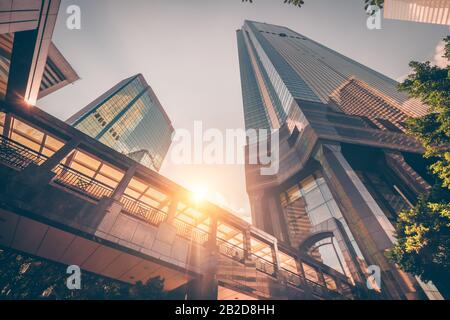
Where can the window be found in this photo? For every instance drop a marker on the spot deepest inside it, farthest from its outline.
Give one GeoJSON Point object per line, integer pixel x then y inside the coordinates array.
{"type": "Point", "coordinates": [328, 252]}
{"type": "Point", "coordinates": [310, 273]}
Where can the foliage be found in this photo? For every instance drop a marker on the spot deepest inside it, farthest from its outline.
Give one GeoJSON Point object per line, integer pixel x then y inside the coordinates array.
{"type": "Point", "coordinates": [379, 3]}
{"type": "Point", "coordinates": [431, 85]}
{"type": "Point", "coordinates": [297, 3]}
{"type": "Point", "coordinates": [423, 232]}
{"type": "Point", "coordinates": [25, 277]}
{"type": "Point", "coordinates": [423, 238]}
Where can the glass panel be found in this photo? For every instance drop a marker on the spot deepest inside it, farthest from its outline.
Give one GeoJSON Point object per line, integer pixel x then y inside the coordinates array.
{"type": "Point", "coordinates": [27, 135]}
{"type": "Point", "coordinates": [310, 273]}
{"type": "Point", "coordinates": [329, 282]}
{"type": "Point", "coordinates": [155, 194]}
{"type": "Point", "coordinates": [150, 201]}
{"type": "Point", "coordinates": [111, 173]}
{"type": "Point", "coordinates": [325, 192]}
{"type": "Point", "coordinates": [287, 262]}
{"type": "Point", "coordinates": [83, 169]}
{"type": "Point", "coordinates": [107, 181]}
{"type": "Point", "coordinates": [319, 214]}
{"type": "Point", "coordinates": [53, 144]}
{"type": "Point", "coordinates": [137, 185]}
{"type": "Point", "coordinates": [334, 209]}
{"type": "Point", "coordinates": [130, 192]}
{"type": "Point", "coordinates": [261, 249]}
{"type": "Point", "coordinates": [293, 194]}
{"type": "Point", "coordinates": [314, 198]}
{"type": "Point", "coordinates": [308, 184]}
{"type": "Point", "coordinates": [26, 142]}
{"type": "Point", "coordinates": [86, 161]}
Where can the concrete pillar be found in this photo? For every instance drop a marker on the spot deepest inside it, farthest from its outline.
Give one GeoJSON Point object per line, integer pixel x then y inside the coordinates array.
{"type": "Point", "coordinates": [110, 208]}
{"type": "Point", "coordinates": [206, 286]}
{"type": "Point", "coordinates": [275, 259]}
{"type": "Point", "coordinates": [247, 245]}
{"type": "Point", "coordinates": [203, 288]}
{"type": "Point", "coordinates": [372, 230]}
{"type": "Point", "coordinates": [212, 237]}
{"type": "Point", "coordinates": [172, 210]}
{"type": "Point", "coordinates": [124, 182]}
{"type": "Point", "coordinates": [7, 125]}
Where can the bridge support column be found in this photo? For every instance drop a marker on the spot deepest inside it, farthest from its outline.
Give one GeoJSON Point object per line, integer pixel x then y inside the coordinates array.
{"type": "Point", "coordinates": [172, 210]}
{"type": "Point", "coordinates": [247, 245]}
{"type": "Point", "coordinates": [34, 174]}
{"type": "Point", "coordinates": [108, 209]}
{"type": "Point", "coordinates": [275, 259]}
{"type": "Point", "coordinates": [204, 288]}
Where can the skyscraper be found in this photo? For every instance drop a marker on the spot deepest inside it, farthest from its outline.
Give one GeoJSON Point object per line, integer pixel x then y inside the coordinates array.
{"type": "Point", "coordinates": [426, 11]}
{"type": "Point", "coordinates": [346, 167]}
{"type": "Point", "coordinates": [130, 119]}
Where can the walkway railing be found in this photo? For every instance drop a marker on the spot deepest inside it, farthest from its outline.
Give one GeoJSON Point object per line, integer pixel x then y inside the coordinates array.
{"type": "Point", "coordinates": [291, 277]}
{"type": "Point", "coordinates": [190, 232]}
{"type": "Point", "coordinates": [143, 211]}
{"type": "Point", "coordinates": [79, 182]}
{"type": "Point", "coordinates": [230, 250]}
{"type": "Point", "coordinates": [264, 265]}
{"type": "Point", "coordinates": [18, 156]}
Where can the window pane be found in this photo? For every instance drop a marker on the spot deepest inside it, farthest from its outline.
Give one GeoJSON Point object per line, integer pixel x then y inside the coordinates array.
{"type": "Point", "coordinates": [310, 273]}
{"type": "Point", "coordinates": [308, 184]}
{"type": "Point", "coordinates": [319, 214]}
{"type": "Point", "coordinates": [314, 198]}
{"type": "Point", "coordinates": [329, 282]}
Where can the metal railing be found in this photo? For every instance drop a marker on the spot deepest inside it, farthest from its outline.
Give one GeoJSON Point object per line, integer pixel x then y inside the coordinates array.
{"type": "Point", "coordinates": [317, 288]}
{"type": "Point", "coordinates": [230, 250]}
{"type": "Point", "coordinates": [143, 211]}
{"type": "Point", "coordinates": [291, 277]}
{"type": "Point", "coordinates": [190, 232]}
{"type": "Point", "coordinates": [18, 156]}
{"type": "Point", "coordinates": [79, 182]}
{"type": "Point", "coordinates": [264, 265]}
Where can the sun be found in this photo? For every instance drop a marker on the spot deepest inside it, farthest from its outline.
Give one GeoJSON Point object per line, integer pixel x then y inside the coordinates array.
{"type": "Point", "coordinates": [199, 194]}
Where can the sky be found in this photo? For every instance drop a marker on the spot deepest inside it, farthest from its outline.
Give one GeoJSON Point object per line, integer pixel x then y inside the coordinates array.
{"type": "Point", "coordinates": [187, 51]}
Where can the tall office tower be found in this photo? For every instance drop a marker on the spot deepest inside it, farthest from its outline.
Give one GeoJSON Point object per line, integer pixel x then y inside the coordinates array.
{"type": "Point", "coordinates": [426, 11]}
{"type": "Point", "coordinates": [30, 64]}
{"type": "Point", "coordinates": [130, 119]}
{"type": "Point", "coordinates": [345, 167]}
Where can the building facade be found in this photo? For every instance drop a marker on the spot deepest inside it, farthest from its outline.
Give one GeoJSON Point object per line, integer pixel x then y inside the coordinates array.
{"type": "Point", "coordinates": [130, 119]}
{"type": "Point", "coordinates": [346, 167]}
{"type": "Point", "coordinates": [31, 66]}
{"type": "Point", "coordinates": [425, 11]}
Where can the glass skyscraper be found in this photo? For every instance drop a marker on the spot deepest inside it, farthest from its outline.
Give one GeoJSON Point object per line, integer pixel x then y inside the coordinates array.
{"type": "Point", "coordinates": [130, 119]}
{"type": "Point", "coordinates": [346, 168]}
{"type": "Point", "coordinates": [280, 66]}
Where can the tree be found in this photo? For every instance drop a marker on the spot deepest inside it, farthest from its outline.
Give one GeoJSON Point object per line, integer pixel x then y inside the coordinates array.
{"type": "Point", "coordinates": [423, 232]}
{"type": "Point", "coordinates": [297, 3]}
{"type": "Point", "coordinates": [25, 277]}
{"type": "Point", "coordinates": [431, 85]}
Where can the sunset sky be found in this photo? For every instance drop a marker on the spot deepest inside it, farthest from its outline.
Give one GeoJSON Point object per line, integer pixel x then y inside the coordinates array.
{"type": "Point", "coordinates": [187, 52]}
